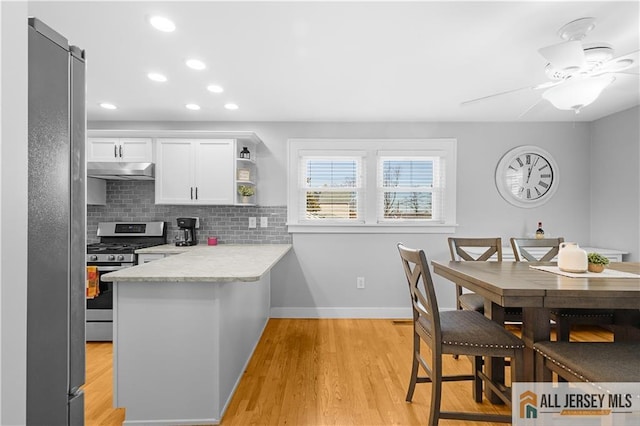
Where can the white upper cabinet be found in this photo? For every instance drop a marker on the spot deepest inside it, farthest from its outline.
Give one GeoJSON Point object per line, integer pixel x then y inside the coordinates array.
{"type": "Point", "coordinates": [214, 171]}
{"type": "Point", "coordinates": [195, 171]}
{"type": "Point", "coordinates": [129, 150]}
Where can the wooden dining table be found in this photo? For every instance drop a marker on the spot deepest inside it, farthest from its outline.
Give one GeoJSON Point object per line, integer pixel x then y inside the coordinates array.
{"type": "Point", "coordinates": [516, 284]}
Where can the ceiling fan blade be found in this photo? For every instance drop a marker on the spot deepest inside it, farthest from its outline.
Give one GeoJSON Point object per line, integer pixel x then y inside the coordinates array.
{"type": "Point", "coordinates": [548, 84]}
{"type": "Point", "coordinates": [496, 94]}
{"type": "Point", "coordinates": [621, 63]}
{"type": "Point", "coordinates": [564, 55]}
{"type": "Point", "coordinates": [530, 108]}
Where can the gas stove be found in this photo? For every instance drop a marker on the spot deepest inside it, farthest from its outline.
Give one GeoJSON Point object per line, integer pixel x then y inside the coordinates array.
{"type": "Point", "coordinates": [120, 240]}
{"type": "Point", "coordinates": [123, 252]}
{"type": "Point", "coordinates": [115, 251]}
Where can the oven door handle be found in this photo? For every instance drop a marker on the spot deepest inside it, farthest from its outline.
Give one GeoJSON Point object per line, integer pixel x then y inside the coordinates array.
{"type": "Point", "coordinates": [111, 268]}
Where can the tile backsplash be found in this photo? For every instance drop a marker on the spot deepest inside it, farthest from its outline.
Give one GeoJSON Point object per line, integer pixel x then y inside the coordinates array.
{"type": "Point", "coordinates": [134, 201]}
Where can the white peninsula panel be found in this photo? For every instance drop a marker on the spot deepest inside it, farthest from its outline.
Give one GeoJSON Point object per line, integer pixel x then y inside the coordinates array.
{"type": "Point", "coordinates": [185, 327]}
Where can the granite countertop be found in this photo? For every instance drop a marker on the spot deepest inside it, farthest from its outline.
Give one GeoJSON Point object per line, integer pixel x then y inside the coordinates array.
{"type": "Point", "coordinates": [202, 263]}
{"type": "Point", "coordinates": [169, 249]}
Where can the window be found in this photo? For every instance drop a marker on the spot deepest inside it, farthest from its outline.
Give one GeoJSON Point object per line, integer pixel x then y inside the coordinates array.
{"type": "Point", "coordinates": [371, 185]}
{"type": "Point", "coordinates": [406, 189]}
{"type": "Point", "coordinates": [331, 187]}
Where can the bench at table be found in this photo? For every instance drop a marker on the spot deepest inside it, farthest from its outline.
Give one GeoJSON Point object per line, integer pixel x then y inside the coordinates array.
{"type": "Point", "coordinates": [588, 361]}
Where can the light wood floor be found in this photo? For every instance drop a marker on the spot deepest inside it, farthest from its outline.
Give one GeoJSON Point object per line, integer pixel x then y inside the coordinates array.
{"type": "Point", "coordinates": [321, 372]}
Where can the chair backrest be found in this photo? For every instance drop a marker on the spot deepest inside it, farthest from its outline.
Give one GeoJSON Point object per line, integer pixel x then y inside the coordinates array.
{"type": "Point", "coordinates": [423, 297]}
{"type": "Point", "coordinates": [521, 247]}
{"type": "Point", "coordinates": [457, 248]}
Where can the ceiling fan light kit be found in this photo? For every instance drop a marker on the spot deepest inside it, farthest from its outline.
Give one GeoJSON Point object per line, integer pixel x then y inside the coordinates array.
{"type": "Point", "coordinates": [578, 92]}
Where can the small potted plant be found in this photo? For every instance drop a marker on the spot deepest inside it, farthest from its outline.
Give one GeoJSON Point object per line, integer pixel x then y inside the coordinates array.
{"type": "Point", "coordinates": [246, 191]}
{"type": "Point", "coordinates": [597, 262]}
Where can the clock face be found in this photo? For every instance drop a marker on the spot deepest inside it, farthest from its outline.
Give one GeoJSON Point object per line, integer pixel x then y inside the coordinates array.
{"type": "Point", "coordinates": [527, 176]}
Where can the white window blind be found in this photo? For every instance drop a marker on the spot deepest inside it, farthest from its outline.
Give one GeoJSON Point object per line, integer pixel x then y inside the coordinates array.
{"type": "Point", "coordinates": [409, 188]}
{"type": "Point", "coordinates": [330, 188]}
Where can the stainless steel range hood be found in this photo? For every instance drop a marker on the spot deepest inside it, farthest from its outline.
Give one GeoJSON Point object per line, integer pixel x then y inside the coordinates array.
{"type": "Point", "coordinates": [121, 171]}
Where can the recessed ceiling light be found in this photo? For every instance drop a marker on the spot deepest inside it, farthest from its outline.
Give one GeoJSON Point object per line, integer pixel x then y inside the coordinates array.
{"type": "Point", "coordinates": [196, 64]}
{"type": "Point", "coordinates": [215, 89]}
{"type": "Point", "coordinates": [193, 107]}
{"type": "Point", "coordinates": [156, 77]}
{"type": "Point", "coordinates": [161, 23]}
{"type": "Point", "coordinates": [231, 106]}
{"type": "Point", "coordinates": [107, 105]}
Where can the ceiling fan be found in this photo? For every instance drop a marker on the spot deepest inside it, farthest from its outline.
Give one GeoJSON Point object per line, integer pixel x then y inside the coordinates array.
{"type": "Point", "coordinates": [578, 72]}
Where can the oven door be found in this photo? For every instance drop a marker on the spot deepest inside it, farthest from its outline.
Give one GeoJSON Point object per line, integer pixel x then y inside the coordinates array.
{"type": "Point", "coordinates": [99, 325]}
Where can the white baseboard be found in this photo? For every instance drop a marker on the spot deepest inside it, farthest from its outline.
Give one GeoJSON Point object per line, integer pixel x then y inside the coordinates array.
{"type": "Point", "coordinates": [318, 312]}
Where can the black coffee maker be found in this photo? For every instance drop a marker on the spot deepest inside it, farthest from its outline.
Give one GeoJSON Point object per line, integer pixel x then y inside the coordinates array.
{"type": "Point", "coordinates": [186, 235]}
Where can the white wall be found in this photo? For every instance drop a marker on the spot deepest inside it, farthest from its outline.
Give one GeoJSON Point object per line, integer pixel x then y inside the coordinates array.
{"type": "Point", "coordinates": [615, 182]}
{"type": "Point", "coordinates": [13, 213]}
{"type": "Point", "coordinates": [320, 275]}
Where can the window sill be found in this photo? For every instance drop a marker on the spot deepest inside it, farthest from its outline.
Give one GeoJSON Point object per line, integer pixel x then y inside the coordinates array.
{"type": "Point", "coordinates": [409, 228]}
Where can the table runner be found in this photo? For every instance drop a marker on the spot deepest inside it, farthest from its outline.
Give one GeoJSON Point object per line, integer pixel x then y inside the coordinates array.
{"type": "Point", "coordinates": [607, 273]}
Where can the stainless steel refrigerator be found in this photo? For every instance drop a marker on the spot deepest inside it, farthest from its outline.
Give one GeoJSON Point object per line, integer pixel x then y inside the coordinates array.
{"type": "Point", "coordinates": [56, 229]}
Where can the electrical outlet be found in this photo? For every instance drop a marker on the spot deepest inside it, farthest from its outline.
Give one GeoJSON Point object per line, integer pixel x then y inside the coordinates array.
{"type": "Point", "coordinates": [252, 222]}
{"type": "Point", "coordinates": [360, 282]}
{"type": "Point", "coordinates": [264, 222]}
{"type": "Point", "coordinates": [197, 222]}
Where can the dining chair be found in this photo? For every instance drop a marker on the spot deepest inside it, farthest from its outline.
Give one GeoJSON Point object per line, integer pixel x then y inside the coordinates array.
{"type": "Point", "coordinates": [521, 247]}
{"type": "Point", "coordinates": [458, 248]}
{"type": "Point", "coordinates": [460, 332]}
{"type": "Point", "coordinates": [564, 318]}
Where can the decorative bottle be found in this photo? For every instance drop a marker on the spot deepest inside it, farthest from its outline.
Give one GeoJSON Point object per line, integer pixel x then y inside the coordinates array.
{"type": "Point", "coordinates": [245, 153]}
{"type": "Point", "coordinates": [539, 231]}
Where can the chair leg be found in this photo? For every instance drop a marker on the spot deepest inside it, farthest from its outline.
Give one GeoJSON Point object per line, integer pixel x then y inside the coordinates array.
{"type": "Point", "coordinates": [458, 307]}
{"type": "Point", "coordinates": [477, 381]}
{"type": "Point", "coordinates": [563, 330]}
{"type": "Point", "coordinates": [414, 367]}
{"type": "Point", "coordinates": [436, 388]}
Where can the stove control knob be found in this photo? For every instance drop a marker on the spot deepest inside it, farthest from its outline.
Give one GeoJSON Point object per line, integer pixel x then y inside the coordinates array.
{"type": "Point", "coordinates": [120, 257]}
{"type": "Point", "coordinates": [93, 257]}
{"type": "Point", "coordinates": [111, 257]}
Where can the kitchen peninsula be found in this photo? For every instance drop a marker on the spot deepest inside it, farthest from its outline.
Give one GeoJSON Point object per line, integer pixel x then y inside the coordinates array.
{"type": "Point", "coordinates": [185, 326]}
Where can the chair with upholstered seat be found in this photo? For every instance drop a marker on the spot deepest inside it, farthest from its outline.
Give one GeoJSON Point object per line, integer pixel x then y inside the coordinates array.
{"type": "Point", "coordinates": [458, 248]}
{"type": "Point", "coordinates": [491, 248]}
{"type": "Point", "coordinates": [522, 247]}
{"type": "Point", "coordinates": [564, 318]}
{"type": "Point", "coordinates": [461, 332]}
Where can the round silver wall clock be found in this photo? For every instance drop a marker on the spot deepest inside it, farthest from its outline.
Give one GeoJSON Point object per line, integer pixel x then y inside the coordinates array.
{"type": "Point", "coordinates": [527, 176]}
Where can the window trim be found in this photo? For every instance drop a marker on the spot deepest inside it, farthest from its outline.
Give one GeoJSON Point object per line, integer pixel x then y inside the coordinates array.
{"type": "Point", "coordinates": [442, 147]}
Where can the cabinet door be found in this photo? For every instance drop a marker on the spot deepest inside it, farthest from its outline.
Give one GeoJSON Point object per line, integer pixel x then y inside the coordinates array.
{"type": "Point", "coordinates": [102, 149]}
{"type": "Point", "coordinates": [174, 172]}
{"type": "Point", "coordinates": [135, 150]}
{"type": "Point", "coordinates": [214, 169]}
